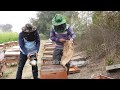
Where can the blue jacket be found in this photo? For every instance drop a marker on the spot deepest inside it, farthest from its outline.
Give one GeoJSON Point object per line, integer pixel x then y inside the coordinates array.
{"type": "Point", "coordinates": [22, 43]}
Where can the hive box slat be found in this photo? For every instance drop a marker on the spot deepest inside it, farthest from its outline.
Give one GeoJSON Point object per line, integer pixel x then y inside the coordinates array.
{"type": "Point", "coordinates": [12, 53]}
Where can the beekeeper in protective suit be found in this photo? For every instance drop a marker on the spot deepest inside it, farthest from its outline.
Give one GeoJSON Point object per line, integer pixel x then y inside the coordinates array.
{"type": "Point", "coordinates": [59, 33]}
{"type": "Point", "coordinates": [29, 42]}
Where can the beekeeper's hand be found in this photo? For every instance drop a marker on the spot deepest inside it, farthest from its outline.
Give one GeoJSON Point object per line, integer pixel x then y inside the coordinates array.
{"type": "Point", "coordinates": [62, 40]}
{"type": "Point", "coordinates": [28, 56]}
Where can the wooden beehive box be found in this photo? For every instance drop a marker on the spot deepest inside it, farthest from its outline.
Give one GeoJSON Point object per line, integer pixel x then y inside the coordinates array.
{"type": "Point", "coordinates": [13, 49]}
{"type": "Point", "coordinates": [48, 53]}
{"type": "Point", "coordinates": [11, 57]}
{"type": "Point", "coordinates": [47, 59]}
{"type": "Point", "coordinates": [53, 72]}
{"type": "Point", "coordinates": [50, 48]}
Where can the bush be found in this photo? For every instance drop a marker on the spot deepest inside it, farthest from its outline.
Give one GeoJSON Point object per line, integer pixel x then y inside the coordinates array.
{"type": "Point", "coordinates": [102, 36]}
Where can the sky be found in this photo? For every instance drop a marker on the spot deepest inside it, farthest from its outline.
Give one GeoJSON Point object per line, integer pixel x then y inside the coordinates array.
{"type": "Point", "coordinates": [16, 18]}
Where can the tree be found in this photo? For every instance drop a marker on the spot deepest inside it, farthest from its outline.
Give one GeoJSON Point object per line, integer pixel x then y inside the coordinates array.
{"type": "Point", "coordinates": [6, 28]}
{"type": "Point", "coordinates": [44, 19]}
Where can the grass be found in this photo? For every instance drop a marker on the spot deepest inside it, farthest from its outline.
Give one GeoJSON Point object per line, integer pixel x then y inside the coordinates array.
{"type": "Point", "coordinates": [13, 36]}
{"type": "Point", "coordinates": [109, 61]}
{"type": "Point", "coordinates": [8, 36]}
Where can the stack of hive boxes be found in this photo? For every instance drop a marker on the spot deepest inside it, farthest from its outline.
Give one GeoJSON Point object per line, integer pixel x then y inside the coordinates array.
{"type": "Point", "coordinates": [48, 70]}
{"type": "Point", "coordinates": [12, 54]}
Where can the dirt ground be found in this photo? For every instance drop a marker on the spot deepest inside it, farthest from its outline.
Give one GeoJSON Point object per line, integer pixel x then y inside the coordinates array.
{"type": "Point", "coordinates": [93, 67]}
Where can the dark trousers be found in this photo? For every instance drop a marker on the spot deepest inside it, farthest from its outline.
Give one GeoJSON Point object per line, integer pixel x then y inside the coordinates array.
{"type": "Point", "coordinates": [57, 55]}
{"type": "Point", "coordinates": [23, 59]}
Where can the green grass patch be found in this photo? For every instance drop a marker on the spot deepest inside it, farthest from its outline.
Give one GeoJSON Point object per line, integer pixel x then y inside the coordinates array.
{"type": "Point", "coordinates": [8, 36]}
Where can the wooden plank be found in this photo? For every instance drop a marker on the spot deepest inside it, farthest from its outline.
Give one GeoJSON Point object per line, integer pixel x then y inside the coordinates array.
{"type": "Point", "coordinates": [117, 66]}
{"type": "Point", "coordinates": [49, 48]}
{"type": "Point", "coordinates": [73, 70]}
{"type": "Point", "coordinates": [12, 61]}
{"type": "Point", "coordinates": [12, 53]}
{"type": "Point", "coordinates": [47, 56]}
{"type": "Point", "coordinates": [49, 45]}
{"type": "Point", "coordinates": [48, 52]}
{"type": "Point", "coordinates": [47, 62]}
{"type": "Point", "coordinates": [15, 43]}
{"type": "Point", "coordinates": [49, 42]}
{"type": "Point", "coordinates": [12, 57]}
{"type": "Point", "coordinates": [13, 49]}
{"type": "Point", "coordinates": [45, 46]}
{"type": "Point", "coordinates": [1, 45]}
